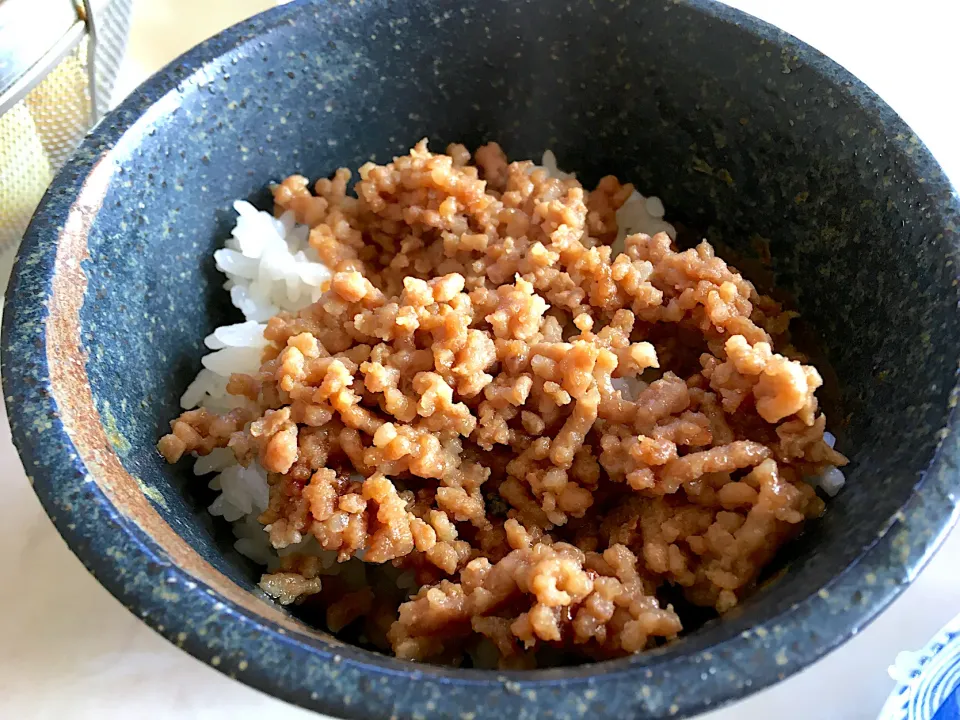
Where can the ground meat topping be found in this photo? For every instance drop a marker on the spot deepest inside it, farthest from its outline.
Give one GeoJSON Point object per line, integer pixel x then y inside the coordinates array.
{"type": "Point", "coordinates": [528, 439]}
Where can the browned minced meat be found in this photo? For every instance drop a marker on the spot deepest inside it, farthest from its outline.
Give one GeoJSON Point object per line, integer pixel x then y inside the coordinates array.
{"type": "Point", "coordinates": [455, 406]}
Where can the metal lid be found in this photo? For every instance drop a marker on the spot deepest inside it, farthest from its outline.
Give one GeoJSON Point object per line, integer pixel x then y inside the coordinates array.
{"type": "Point", "coordinates": [34, 37]}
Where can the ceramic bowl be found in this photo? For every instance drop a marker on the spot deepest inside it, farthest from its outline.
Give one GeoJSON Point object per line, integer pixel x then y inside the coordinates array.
{"type": "Point", "coordinates": [745, 133]}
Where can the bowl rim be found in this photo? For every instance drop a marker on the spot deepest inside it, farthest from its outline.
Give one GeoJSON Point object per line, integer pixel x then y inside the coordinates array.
{"type": "Point", "coordinates": [337, 681]}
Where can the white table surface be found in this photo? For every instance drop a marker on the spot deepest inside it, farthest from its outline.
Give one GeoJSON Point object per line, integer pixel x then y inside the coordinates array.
{"type": "Point", "coordinates": [68, 650]}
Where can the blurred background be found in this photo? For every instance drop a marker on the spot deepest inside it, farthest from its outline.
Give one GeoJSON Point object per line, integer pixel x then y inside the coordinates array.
{"type": "Point", "coordinates": [163, 29]}
{"type": "Point", "coordinates": [84, 656]}
{"type": "Point", "coordinates": [64, 63]}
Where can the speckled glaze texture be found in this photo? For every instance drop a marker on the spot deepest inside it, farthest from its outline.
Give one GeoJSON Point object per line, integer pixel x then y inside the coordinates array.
{"type": "Point", "coordinates": [742, 130]}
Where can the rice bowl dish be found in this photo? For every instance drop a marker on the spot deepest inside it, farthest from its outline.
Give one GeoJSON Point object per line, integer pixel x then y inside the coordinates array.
{"type": "Point", "coordinates": [478, 415]}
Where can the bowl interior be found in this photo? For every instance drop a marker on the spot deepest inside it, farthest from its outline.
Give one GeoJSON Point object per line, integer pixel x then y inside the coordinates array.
{"type": "Point", "coordinates": [742, 141]}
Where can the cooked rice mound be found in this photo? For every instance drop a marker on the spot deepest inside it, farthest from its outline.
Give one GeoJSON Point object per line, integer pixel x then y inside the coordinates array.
{"type": "Point", "coordinates": [531, 437]}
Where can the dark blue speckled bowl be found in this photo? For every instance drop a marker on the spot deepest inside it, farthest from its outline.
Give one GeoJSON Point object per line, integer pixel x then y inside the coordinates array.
{"type": "Point", "coordinates": [743, 131]}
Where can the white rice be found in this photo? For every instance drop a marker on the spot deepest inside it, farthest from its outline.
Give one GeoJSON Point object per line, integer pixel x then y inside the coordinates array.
{"type": "Point", "coordinates": [831, 479]}
{"type": "Point", "coordinates": [549, 163]}
{"type": "Point", "coordinates": [629, 387]}
{"type": "Point", "coordinates": [638, 214]}
{"type": "Point", "coordinates": [271, 267]}
{"type": "Point", "coordinates": [269, 264]}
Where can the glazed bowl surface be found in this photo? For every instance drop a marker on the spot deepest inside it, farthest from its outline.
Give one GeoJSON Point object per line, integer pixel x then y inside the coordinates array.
{"type": "Point", "coordinates": [746, 134]}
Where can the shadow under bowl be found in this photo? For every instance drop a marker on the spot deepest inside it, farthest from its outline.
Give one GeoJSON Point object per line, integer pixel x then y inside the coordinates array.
{"type": "Point", "coordinates": [743, 131]}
